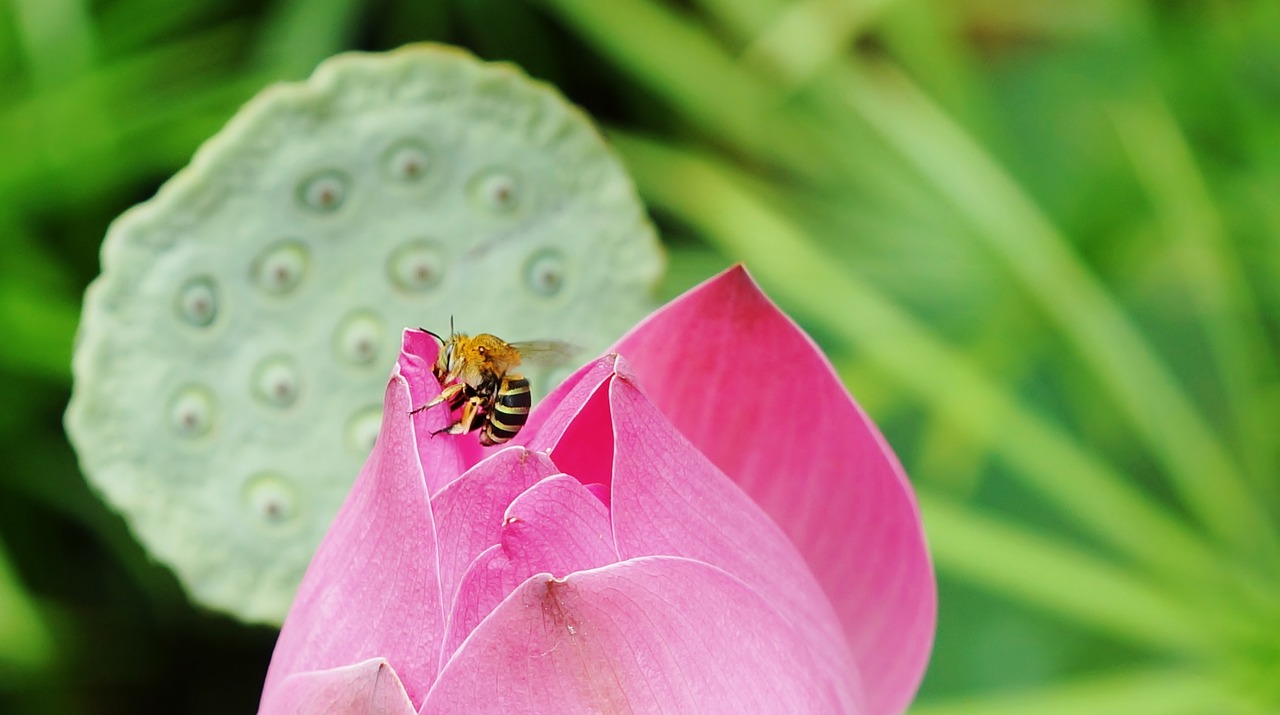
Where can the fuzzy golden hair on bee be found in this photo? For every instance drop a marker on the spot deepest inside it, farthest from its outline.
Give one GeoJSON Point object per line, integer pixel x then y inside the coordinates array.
{"type": "Point", "coordinates": [482, 358]}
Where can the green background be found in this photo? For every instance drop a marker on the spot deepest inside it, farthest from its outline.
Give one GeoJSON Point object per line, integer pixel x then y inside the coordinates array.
{"type": "Point", "coordinates": [1040, 241]}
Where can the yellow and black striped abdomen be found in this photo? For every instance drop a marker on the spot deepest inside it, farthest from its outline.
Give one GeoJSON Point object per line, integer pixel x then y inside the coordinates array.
{"type": "Point", "coordinates": [509, 412]}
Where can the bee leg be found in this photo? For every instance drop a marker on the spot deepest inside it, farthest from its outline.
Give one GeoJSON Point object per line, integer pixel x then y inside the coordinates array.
{"type": "Point", "coordinates": [472, 417]}
{"type": "Point", "coordinates": [453, 394]}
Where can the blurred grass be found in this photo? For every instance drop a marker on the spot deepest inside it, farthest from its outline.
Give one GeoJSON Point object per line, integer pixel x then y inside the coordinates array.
{"type": "Point", "coordinates": [1041, 242]}
{"type": "Point", "coordinates": [26, 644]}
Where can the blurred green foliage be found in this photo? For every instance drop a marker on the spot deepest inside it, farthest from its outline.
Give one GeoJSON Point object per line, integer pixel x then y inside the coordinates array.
{"type": "Point", "coordinates": [1040, 240]}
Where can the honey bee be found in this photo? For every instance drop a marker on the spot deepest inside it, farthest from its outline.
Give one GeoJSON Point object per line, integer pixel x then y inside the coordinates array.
{"type": "Point", "coordinates": [478, 376]}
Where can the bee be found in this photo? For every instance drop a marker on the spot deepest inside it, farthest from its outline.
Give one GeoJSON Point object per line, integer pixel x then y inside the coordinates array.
{"type": "Point", "coordinates": [478, 376]}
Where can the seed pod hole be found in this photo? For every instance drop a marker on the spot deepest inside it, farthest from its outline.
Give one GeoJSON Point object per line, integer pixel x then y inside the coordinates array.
{"type": "Point", "coordinates": [198, 301]}
{"type": "Point", "coordinates": [276, 381]}
{"type": "Point", "coordinates": [544, 272]}
{"type": "Point", "coordinates": [407, 161]}
{"type": "Point", "coordinates": [497, 191]}
{"type": "Point", "coordinates": [191, 411]}
{"type": "Point", "coordinates": [271, 500]}
{"type": "Point", "coordinates": [416, 266]}
{"type": "Point", "coordinates": [358, 338]}
{"type": "Point", "coordinates": [324, 192]}
{"type": "Point", "coordinates": [280, 268]}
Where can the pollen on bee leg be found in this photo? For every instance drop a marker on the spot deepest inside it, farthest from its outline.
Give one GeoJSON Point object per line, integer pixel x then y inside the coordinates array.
{"type": "Point", "coordinates": [455, 428]}
{"type": "Point", "coordinates": [448, 394]}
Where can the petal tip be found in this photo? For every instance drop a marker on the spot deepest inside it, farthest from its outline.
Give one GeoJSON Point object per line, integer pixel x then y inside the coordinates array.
{"type": "Point", "coordinates": [737, 276]}
{"type": "Point", "coordinates": [621, 368]}
{"type": "Point", "coordinates": [418, 343]}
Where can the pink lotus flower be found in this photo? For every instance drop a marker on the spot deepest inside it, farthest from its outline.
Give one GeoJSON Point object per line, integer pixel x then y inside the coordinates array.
{"type": "Point", "coordinates": [702, 521]}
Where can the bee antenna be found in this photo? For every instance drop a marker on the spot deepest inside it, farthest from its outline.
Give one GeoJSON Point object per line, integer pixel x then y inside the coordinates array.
{"type": "Point", "coordinates": [451, 331]}
{"type": "Point", "coordinates": [437, 337]}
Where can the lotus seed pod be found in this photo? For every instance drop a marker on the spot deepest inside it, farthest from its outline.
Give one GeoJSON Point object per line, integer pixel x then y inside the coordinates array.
{"type": "Point", "coordinates": [232, 355]}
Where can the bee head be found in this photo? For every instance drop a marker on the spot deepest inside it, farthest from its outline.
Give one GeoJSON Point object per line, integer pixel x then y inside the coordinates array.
{"type": "Point", "coordinates": [446, 358]}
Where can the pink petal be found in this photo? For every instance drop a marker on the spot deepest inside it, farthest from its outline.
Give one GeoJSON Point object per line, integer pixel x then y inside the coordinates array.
{"type": "Point", "coordinates": [558, 526]}
{"type": "Point", "coordinates": [670, 499]}
{"type": "Point", "coordinates": [554, 412]}
{"type": "Point", "coordinates": [469, 511]}
{"type": "Point", "coordinates": [573, 425]}
{"type": "Point", "coordinates": [444, 457]}
{"type": "Point", "coordinates": [754, 394]}
{"type": "Point", "coordinates": [488, 580]}
{"type": "Point", "coordinates": [372, 589]}
{"type": "Point", "coordinates": [653, 635]}
{"type": "Point", "coordinates": [368, 688]}
{"type": "Point", "coordinates": [585, 447]}
{"type": "Point", "coordinates": [601, 492]}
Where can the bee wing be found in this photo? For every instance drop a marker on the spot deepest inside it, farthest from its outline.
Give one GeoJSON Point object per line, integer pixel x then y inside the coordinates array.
{"type": "Point", "coordinates": [545, 353]}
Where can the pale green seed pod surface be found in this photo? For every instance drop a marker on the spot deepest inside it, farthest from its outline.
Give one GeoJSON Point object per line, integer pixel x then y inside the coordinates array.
{"type": "Point", "coordinates": [232, 355]}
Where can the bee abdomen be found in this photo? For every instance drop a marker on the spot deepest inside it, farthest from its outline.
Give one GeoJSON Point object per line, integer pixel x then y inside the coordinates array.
{"type": "Point", "coordinates": [510, 411]}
